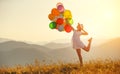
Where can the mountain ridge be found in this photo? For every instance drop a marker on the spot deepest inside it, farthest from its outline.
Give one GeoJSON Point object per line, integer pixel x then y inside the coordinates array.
{"type": "Point", "coordinates": [16, 52]}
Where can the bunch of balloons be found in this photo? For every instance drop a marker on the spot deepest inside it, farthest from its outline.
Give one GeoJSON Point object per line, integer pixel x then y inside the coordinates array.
{"type": "Point", "coordinates": [61, 18]}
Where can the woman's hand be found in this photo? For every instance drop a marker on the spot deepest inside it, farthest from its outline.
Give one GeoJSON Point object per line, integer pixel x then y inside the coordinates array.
{"type": "Point", "coordinates": [84, 32]}
{"type": "Point", "coordinates": [81, 26]}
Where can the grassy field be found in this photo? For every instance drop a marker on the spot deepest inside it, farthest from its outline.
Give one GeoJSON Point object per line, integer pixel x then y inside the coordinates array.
{"type": "Point", "coordinates": [91, 67]}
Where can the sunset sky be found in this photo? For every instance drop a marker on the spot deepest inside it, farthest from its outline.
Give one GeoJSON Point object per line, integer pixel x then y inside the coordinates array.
{"type": "Point", "coordinates": [28, 19]}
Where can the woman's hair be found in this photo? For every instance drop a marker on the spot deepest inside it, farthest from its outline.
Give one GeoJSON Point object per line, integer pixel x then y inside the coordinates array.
{"type": "Point", "coordinates": [79, 27]}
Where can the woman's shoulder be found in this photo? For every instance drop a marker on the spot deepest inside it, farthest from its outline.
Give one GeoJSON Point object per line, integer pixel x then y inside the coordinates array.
{"type": "Point", "coordinates": [79, 32]}
{"type": "Point", "coordinates": [76, 31]}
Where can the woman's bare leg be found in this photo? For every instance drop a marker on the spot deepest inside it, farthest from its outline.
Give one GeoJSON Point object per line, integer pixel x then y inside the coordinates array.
{"type": "Point", "coordinates": [88, 46]}
{"type": "Point", "coordinates": [80, 56]}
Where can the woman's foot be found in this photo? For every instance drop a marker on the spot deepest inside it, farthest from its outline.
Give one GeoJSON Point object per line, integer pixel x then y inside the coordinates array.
{"type": "Point", "coordinates": [90, 39]}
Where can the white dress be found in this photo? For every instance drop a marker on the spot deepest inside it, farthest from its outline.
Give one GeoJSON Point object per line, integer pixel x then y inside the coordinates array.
{"type": "Point", "coordinates": [77, 43]}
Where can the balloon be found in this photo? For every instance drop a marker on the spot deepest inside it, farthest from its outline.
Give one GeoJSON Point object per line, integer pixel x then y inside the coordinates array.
{"type": "Point", "coordinates": [60, 16]}
{"type": "Point", "coordinates": [51, 16]}
{"type": "Point", "coordinates": [70, 21]}
{"type": "Point", "coordinates": [55, 12]}
{"type": "Point", "coordinates": [60, 21]}
{"type": "Point", "coordinates": [68, 28]}
{"type": "Point", "coordinates": [52, 25]}
{"type": "Point", "coordinates": [67, 14]}
{"type": "Point", "coordinates": [55, 19]}
{"type": "Point", "coordinates": [59, 4]}
{"type": "Point", "coordinates": [60, 8]}
{"type": "Point", "coordinates": [60, 28]}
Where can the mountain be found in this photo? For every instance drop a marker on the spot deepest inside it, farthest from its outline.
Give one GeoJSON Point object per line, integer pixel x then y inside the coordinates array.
{"type": "Point", "coordinates": [66, 54]}
{"type": "Point", "coordinates": [10, 45]}
{"type": "Point", "coordinates": [4, 40]}
{"type": "Point", "coordinates": [109, 49]}
{"type": "Point", "coordinates": [23, 56]}
{"type": "Point", "coordinates": [63, 43]}
{"type": "Point", "coordinates": [65, 40]}
{"type": "Point", "coordinates": [15, 52]}
{"type": "Point", "coordinates": [53, 45]}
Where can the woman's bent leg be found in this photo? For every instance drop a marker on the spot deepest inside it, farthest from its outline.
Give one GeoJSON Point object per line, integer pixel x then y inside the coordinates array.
{"type": "Point", "coordinates": [88, 46]}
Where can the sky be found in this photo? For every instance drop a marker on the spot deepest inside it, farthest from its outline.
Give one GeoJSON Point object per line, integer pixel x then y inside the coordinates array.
{"type": "Point", "coordinates": [27, 20]}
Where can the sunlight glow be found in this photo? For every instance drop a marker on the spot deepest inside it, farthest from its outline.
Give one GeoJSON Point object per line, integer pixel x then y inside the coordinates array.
{"type": "Point", "coordinates": [108, 15]}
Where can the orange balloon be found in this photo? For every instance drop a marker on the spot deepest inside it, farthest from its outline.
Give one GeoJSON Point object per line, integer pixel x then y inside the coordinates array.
{"type": "Point", "coordinates": [51, 16]}
{"type": "Point", "coordinates": [55, 12]}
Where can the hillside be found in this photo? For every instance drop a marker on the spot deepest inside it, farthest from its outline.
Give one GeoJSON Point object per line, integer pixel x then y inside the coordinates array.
{"type": "Point", "coordinates": [109, 49]}
{"type": "Point", "coordinates": [53, 45]}
{"type": "Point", "coordinates": [16, 52]}
{"type": "Point", "coordinates": [66, 54]}
{"type": "Point", "coordinates": [92, 67]}
{"type": "Point", "coordinates": [4, 40]}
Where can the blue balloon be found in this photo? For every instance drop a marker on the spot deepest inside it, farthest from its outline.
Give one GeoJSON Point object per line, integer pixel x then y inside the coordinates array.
{"type": "Point", "coordinates": [60, 28]}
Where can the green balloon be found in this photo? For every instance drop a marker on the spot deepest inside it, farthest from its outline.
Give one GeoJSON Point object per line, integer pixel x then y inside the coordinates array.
{"type": "Point", "coordinates": [70, 21]}
{"type": "Point", "coordinates": [52, 25]}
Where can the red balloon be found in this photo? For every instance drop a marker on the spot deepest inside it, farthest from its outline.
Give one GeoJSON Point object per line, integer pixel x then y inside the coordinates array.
{"type": "Point", "coordinates": [68, 28]}
{"type": "Point", "coordinates": [60, 21]}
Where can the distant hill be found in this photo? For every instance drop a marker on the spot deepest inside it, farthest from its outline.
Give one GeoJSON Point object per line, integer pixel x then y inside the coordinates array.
{"type": "Point", "coordinates": [4, 40]}
{"type": "Point", "coordinates": [53, 45]}
{"type": "Point", "coordinates": [16, 52]}
{"type": "Point", "coordinates": [10, 45]}
{"type": "Point", "coordinates": [23, 56]}
{"type": "Point", "coordinates": [109, 49]}
{"type": "Point", "coordinates": [63, 43]}
{"type": "Point", "coordinates": [66, 54]}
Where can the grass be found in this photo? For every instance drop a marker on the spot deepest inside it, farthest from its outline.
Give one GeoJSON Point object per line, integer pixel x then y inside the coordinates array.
{"type": "Point", "coordinates": [91, 67]}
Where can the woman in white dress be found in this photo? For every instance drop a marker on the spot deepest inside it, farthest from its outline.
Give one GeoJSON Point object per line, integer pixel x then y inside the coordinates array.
{"type": "Point", "coordinates": [77, 43]}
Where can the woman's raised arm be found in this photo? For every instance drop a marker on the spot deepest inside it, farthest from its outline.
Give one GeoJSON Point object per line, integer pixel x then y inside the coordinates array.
{"type": "Point", "coordinates": [84, 32]}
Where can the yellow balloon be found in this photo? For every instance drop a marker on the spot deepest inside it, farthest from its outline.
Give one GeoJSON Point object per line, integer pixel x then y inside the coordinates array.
{"type": "Point", "coordinates": [70, 16]}
{"type": "Point", "coordinates": [67, 14]}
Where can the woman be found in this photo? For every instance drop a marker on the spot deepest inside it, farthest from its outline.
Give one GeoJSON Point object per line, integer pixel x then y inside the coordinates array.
{"type": "Point", "coordinates": [77, 43]}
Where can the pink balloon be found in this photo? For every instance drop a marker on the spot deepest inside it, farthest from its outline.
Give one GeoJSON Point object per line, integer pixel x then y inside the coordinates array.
{"type": "Point", "coordinates": [60, 8]}
{"type": "Point", "coordinates": [59, 4]}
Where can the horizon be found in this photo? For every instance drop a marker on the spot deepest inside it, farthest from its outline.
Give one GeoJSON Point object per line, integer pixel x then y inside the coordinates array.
{"type": "Point", "coordinates": [28, 20]}
{"type": "Point", "coordinates": [96, 42]}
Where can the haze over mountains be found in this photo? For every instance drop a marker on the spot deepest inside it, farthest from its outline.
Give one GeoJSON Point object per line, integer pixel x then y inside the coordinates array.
{"type": "Point", "coordinates": [16, 52]}
{"type": "Point", "coordinates": [4, 40]}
